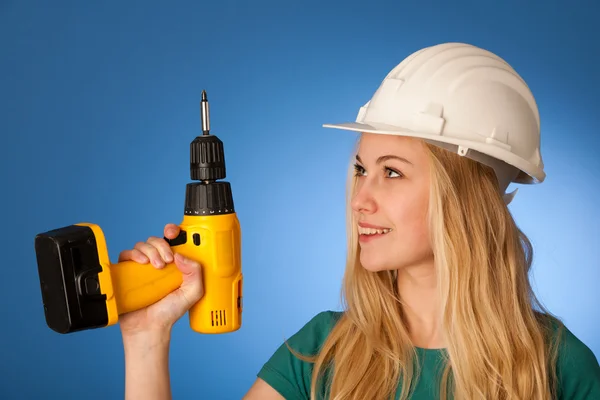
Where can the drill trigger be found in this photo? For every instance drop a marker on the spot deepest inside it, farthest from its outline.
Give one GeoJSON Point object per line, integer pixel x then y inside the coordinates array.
{"type": "Point", "coordinates": [179, 240]}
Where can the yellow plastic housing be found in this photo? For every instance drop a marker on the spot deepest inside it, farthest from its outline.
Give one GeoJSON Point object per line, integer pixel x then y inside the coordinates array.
{"type": "Point", "coordinates": [214, 241]}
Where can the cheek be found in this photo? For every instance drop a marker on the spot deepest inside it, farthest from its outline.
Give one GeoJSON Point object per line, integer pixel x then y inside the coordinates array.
{"type": "Point", "coordinates": [408, 243]}
{"type": "Point", "coordinates": [411, 228]}
{"type": "Point", "coordinates": [409, 214]}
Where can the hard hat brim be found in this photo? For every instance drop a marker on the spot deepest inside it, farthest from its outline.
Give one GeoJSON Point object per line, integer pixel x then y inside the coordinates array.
{"type": "Point", "coordinates": [530, 174]}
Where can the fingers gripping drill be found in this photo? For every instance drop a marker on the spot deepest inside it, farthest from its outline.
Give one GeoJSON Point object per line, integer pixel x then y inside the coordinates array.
{"type": "Point", "coordinates": [82, 290]}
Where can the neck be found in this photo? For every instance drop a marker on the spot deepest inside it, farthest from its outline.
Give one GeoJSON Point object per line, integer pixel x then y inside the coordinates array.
{"type": "Point", "coordinates": [417, 286]}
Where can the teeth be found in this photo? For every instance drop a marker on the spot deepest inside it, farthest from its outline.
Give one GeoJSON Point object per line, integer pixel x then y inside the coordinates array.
{"type": "Point", "coordinates": [371, 231]}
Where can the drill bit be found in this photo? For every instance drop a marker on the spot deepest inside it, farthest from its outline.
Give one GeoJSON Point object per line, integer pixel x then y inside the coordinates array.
{"type": "Point", "coordinates": [204, 113]}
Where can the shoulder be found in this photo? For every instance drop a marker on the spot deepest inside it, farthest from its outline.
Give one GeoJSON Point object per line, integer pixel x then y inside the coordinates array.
{"type": "Point", "coordinates": [314, 332]}
{"type": "Point", "coordinates": [577, 367]}
{"type": "Point", "coordinates": [289, 374]}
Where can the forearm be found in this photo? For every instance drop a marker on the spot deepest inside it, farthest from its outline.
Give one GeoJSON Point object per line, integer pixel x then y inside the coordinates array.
{"type": "Point", "coordinates": [147, 367]}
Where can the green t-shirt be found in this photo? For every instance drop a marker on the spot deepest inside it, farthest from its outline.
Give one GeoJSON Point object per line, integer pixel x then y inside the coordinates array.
{"type": "Point", "coordinates": [578, 368]}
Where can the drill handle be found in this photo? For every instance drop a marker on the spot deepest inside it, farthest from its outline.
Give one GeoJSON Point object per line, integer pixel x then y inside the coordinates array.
{"type": "Point", "coordinates": [137, 286]}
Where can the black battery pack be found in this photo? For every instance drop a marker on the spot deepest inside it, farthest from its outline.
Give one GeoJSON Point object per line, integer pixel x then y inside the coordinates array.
{"type": "Point", "coordinates": [68, 268]}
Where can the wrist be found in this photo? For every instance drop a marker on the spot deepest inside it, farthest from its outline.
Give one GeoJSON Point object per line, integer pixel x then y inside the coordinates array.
{"type": "Point", "coordinates": [147, 364]}
{"type": "Point", "coordinates": [147, 340]}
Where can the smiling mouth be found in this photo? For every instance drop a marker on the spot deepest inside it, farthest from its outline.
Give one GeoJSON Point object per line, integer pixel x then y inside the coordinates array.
{"type": "Point", "coordinates": [372, 231]}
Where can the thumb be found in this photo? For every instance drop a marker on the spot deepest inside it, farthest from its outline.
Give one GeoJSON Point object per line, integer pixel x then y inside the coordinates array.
{"type": "Point", "coordinates": [192, 287]}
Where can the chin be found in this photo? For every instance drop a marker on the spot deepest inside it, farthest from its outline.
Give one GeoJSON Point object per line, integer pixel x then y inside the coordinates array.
{"type": "Point", "coordinates": [377, 262]}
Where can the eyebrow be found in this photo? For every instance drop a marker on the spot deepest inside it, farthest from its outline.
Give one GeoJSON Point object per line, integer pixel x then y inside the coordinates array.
{"type": "Point", "coordinates": [387, 157]}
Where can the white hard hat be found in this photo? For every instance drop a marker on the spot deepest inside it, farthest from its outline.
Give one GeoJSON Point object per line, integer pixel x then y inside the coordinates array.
{"type": "Point", "coordinates": [463, 98]}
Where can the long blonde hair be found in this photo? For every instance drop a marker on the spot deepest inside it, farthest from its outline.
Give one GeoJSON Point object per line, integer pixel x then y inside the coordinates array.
{"type": "Point", "coordinates": [499, 345]}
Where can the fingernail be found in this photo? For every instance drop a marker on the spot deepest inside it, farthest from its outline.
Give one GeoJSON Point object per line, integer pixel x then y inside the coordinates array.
{"type": "Point", "coordinates": [182, 258]}
{"type": "Point", "coordinates": [158, 263]}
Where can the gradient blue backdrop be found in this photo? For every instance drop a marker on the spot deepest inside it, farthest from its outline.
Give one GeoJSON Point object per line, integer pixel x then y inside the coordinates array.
{"type": "Point", "coordinates": [99, 101]}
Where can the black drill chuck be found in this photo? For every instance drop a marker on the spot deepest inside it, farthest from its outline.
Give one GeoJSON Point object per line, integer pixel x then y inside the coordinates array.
{"type": "Point", "coordinates": [207, 165]}
{"type": "Point", "coordinates": [207, 158]}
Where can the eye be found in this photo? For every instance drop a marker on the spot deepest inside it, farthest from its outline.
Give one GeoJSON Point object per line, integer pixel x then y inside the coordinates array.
{"type": "Point", "coordinates": [358, 170]}
{"type": "Point", "coordinates": [392, 172]}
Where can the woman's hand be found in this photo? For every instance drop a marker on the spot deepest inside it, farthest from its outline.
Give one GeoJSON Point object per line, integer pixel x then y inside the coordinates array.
{"type": "Point", "coordinates": [158, 318]}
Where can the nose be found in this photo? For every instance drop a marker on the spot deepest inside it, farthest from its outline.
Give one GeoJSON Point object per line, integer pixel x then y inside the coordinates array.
{"type": "Point", "coordinates": [363, 200]}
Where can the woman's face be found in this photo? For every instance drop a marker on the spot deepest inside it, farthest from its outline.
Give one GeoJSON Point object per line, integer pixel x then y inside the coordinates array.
{"type": "Point", "coordinates": [390, 202]}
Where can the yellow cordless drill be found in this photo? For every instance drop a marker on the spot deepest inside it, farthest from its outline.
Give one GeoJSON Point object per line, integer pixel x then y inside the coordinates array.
{"type": "Point", "coordinates": [82, 290]}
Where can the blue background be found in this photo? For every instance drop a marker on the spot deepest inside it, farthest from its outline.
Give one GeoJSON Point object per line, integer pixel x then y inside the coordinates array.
{"type": "Point", "coordinates": [100, 100]}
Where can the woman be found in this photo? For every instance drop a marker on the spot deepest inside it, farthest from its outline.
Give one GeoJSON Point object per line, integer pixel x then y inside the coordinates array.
{"type": "Point", "coordinates": [438, 301]}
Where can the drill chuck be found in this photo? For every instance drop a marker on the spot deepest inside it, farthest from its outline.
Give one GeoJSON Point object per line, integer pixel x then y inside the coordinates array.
{"type": "Point", "coordinates": [206, 159]}
{"type": "Point", "coordinates": [207, 156]}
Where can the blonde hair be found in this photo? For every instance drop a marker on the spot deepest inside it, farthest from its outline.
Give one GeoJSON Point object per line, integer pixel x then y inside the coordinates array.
{"type": "Point", "coordinates": [499, 346]}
